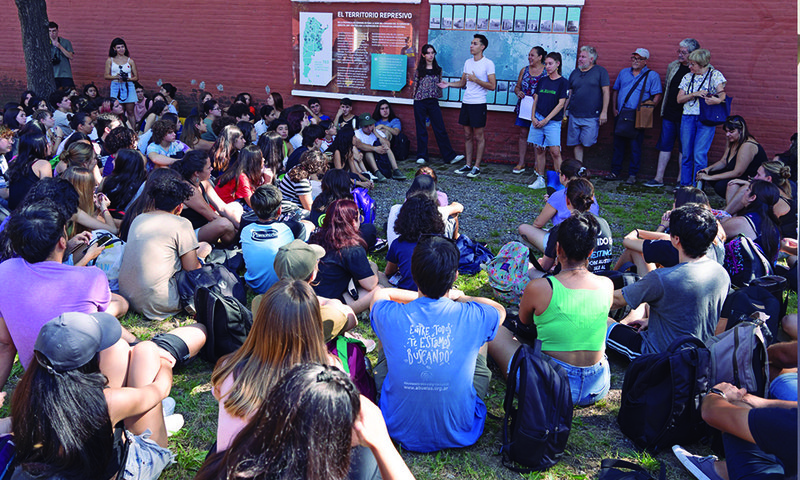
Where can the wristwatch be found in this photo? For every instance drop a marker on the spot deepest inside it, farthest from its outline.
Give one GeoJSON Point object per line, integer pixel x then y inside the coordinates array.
{"type": "Point", "coordinates": [718, 392]}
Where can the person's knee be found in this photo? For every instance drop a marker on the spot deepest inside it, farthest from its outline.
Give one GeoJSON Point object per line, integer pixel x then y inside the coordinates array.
{"type": "Point", "coordinates": [118, 306]}
{"type": "Point", "coordinates": [468, 134]}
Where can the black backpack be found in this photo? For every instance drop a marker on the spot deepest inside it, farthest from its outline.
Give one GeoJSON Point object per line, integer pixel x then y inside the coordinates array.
{"type": "Point", "coordinates": [741, 304]}
{"type": "Point", "coordinates": [661, 395]}
{"type": "Point", "coordinates": [227, 323]}
{"type": "Point", "coordinates": [744, 261]}
{"type": "Point", "coordinates": [535, 432]}
{"type": "Point", "coordinates": [609, 471]}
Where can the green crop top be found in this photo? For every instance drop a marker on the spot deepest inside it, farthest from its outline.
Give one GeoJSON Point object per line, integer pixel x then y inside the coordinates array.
{"type": "Point", "coordinates": [574, 320]}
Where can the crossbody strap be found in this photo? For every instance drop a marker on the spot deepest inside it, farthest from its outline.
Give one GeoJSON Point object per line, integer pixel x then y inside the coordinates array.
{"type": "Point", "coordinates": [633, 88]}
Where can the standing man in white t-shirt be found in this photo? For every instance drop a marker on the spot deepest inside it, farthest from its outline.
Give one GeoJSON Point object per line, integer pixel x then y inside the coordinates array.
{"type": "Point", "coordinates": [478, 76]}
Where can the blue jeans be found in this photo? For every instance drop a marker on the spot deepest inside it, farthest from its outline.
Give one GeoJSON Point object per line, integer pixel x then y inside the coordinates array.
{"type": "Point", "coordinates": [696, 139]}
{"type": "Point", "coordinates": [746, 461]}
{"type": "Point", "coordinates": [429, 108]}
{"type": "Point", "coordinates": [669, 133]}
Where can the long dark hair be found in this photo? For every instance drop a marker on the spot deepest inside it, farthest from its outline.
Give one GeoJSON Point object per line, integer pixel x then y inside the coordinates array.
{"type": "Point", "coordinates": [377, 113]}
{"type": "Point", "coordinates": [249, 162]}
{"type": "Point", "coordinates": [61, 423]}
{"type": "Point", "coordinates": [125, 179]}
{"type": "Point", "coordinates": [271, 145]}
{"type": "Point", "coordinates": [117, 41]}
{"type": "Point", "coordinates": [32, 147]}
{"type": "Point", "coordinates": [144, 202]}
{"type": "Point", "coordinates": [767, 195]}
{"type": "Point", "coordinates": [580, 193]}
{"type": "Point", "coordinates": [340, 227]}
{"type": "Point", "coordinates": [422, 64]}
{"type": "Point", "coordinates": [736, 122]}
{"type": "Point", "coordinates": [302, 430]}
{"type": "Point", "coordinates": [335, 185]}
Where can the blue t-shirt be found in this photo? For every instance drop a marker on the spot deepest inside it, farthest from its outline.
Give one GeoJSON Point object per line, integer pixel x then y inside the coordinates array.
{"type": "Point", "coordinates": [393, 123]}
{"type": "Point", "coordinates": [400, 253]}
{"type": "Point", "coordinates": [625, 81]}
{"type": "Point", "coordinates": [431, 346]}
{"type": "Point", "coordinates": [260, 243]}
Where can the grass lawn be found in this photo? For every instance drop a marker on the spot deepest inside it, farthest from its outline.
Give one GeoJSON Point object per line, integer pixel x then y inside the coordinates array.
{"type": "Point", "coordinates": [595, 434]}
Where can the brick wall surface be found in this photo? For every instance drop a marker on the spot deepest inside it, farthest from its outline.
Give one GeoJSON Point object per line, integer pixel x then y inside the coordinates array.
{"type": "Point", "coordinates": [246, 46]}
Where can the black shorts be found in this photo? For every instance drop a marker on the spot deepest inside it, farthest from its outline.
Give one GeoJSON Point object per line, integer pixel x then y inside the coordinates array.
{"type": "Point", "coordinates": [472, 115]}
{"type": "Point", "coordinates": [625, 340]}
{"type": "Point", "coordinates": [661, 252]}
{"type": "Point", "coordinates": [174, 345]}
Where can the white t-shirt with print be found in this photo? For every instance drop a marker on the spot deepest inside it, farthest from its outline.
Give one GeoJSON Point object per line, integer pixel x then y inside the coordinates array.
{"type": "Point", "coordinates": [368, 139]}
{"type": "Point", "coordinates": [475, 94]}
{"type": "Point", "coordinates": [700, 82]}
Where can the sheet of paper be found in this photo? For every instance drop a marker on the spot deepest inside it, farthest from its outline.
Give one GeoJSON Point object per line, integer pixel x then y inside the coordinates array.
{"type": "Point", "coordinates": [525, 107]}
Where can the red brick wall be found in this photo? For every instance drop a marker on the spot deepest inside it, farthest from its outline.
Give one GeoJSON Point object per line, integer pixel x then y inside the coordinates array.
{"type": "Point", "coordinates": [245, 46]}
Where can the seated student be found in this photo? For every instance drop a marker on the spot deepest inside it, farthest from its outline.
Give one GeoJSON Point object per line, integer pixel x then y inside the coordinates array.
{"type": "Point", "coordinates": [28, 168]}
{"type": "Point", "coordinates": [160, 244]}
{"type": "Point", "coordinates": [330, 134]}
{"type": "Point", "coordinates": [271, 145]}
{"type": "Point", "coordinates": [683, 300]}
{"type": "Point", "coordinates": [426, 185]}
{"type": "Point", "coordinates": [211, 112]}
{"type": "Point", "coordinates": [372, 142]}
{"type": "Point", "coordinates": [314, 109]}
{"type": "Point", "coordinates": [266, 115]}
{"type": "Point", "coordinates": [124, 182]}
{"type": "Point", "coordinates": [337, 184]}
{"type": "Point", "coordinates": [440, 195]}
{"type": "Point", "coordinates": [237, 183]}
{"type": "Point", "coordinates": [240, 112]}
{"type": "Point", "coordinates": [327, 416]}
{"type": "Point", "coordinates": [434, 344]}
{"type": "Point", "coordinates": [165, 148]}
{"type": "Point", "coordinates": [313, 135]}
{"type": "Point", "coordinates": [757, 221]}
{"type": "Point", "coordinates": [647, 248]}
{"type": "Point", "coordinates": [93, 213]}
{"type": "Point", "coordinates": [569, 311]}
{"type": "Point", "coordinates": [419, 216]}
{"type": "Point", "coordinates": [117, 139]}
{"type": "Point", "coordinates": [296, 185]}
{"type": "Point", "coordinates": [297, 120]}
{"type": "Point", "coordinates": [193, 129]}
{"type": "Point", "coordinates": [345, 258]}
{"type": "Point", "coordinates": [785, 209]}
{"type": "Point", "coordinates": [298, 260]}
{"type": "Point", "coordinates": [759, 437]}
{"type": "Point", "coordinates": [286, 331]}
{"type": "Point", "coordinates": [349, 158]}
{"type": "Point", "coordinates": [212, 219]}
{"type": "Point", "coordinates": [580, 197]}
{"type": "Point", "coordinates": [556, 208]}
{"type": "Point", "coordinates": [261, 240]}
{"type": "Point", "coordinates": [344, 116]}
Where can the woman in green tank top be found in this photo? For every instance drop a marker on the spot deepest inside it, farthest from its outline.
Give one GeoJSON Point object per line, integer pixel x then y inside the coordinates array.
{"type": "Point", "coordinates": [570, 311]}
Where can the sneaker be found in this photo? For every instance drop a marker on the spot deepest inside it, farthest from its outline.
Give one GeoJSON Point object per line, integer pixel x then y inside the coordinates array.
{"type": "Point", "coordinates": [653, 183]}
{"type": "Point", "coordinates": [463, 170]}
{"type": "Point", "coordinates": [380, 245]}
{"type": "Point", "coordinates": [518, 171]}
{"type": "Point", "coordinates": [612, 177]}
{"type": "Point", "coordinates": [378, 177]}
{"type": "Point", "coordinates": [474, 173]}
{"type": "Point", "coordinates": [397, 174]}
{"type": "Point", "coordinates": [700, 467]}
{"type": "Point", "coordinates": [539, 183]}
{"type": "Point", "coordinates": [457, 159]}
{"type": "Point", "coordinates": [631, 180]}
{"type": "Point", "coordinates": [369, 176]}
{"type": "Point", "coordinates": [421, 161]}
{"type": "Point", "coordinates": [168, 406]}
{"type": "Point", "coordinates": [174, 423]}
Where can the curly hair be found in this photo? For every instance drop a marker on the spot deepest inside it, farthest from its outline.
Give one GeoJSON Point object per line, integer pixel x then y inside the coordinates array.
{"type": "Point", "coordinates": [161, 129]}
{"type": "Point", "coordinates": [119, 138]}
{"type": "Point", "coordinates": [419, 215]}
{"type": "Point", "coordinates": [311, 162]}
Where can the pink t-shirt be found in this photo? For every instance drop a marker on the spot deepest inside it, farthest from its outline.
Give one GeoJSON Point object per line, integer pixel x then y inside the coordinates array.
{"type": "Point", "coordinates": [35, 293]}
{"type": "Point", "coordinates": [228, 426]}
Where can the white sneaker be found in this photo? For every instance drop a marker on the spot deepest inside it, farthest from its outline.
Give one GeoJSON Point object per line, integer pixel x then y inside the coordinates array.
{"type": "Point", "coordinates": [457, 159]}
{"type": "Point", "coordinates": [420, 161]}
{"type": "Point", "coordinates": [369, 175]}
{"type": "Point", "coordinates": [174, 423]}
{"type": "Point", "coordinates": [539, 183]}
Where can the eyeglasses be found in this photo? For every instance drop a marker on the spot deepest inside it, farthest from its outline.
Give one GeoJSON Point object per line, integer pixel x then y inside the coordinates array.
{"type": "Point", "coordinates": [683, 52]}
{"type": "Point", "coordinates": [637, 59]}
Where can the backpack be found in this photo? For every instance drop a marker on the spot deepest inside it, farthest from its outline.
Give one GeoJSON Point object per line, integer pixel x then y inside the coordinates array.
{"type": "Point", "coordinates": [508, 272]}
{"type": "Point", "coordinates": [739, 357]}
{"type": "Point", "coordinates": [741, 304]}
{"type": "Point", "coordinates": [472, 255]}
{"type": "Point", "coordinates": [227, 323]}
{"type": "Point", "coordinates": [744, 261]}
{"type": "Point", "coordinates": [110, 259]}
{"type": "Point", "coordinates": [536, 430]}
{"type": "Point", "coordinates": [608, 472]}
{"type": "Point", "coordinates": [661, 395]}
{"type": "Point", "coordinates": [352, 353]}
{"type": "Point", "coordinates": [365, 203]}
{"type": "Point", "coordinates": [213, 276]}
{"type": "Point", "coordinates": [401, 146]}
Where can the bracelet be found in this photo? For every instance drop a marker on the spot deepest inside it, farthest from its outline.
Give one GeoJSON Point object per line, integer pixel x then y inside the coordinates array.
{"type": "Point", "coordinates": [718, 392]}
{"type": "Point", "coordinates": [662, 226]}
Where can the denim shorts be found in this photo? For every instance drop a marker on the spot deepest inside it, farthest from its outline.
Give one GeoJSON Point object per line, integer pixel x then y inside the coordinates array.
{"type": "Point", "coordinates": [784, 387]}
{"type": "Point", "coordinates": [146, 459]}
{"type": "Point", "coordinates": [587, 384]}
{"type": "Point", "coordinates": [549, 136]}
{"type": "Point", "coordinates": [119, 92]}
{"type": "Point", "coordinates": [582, 131]}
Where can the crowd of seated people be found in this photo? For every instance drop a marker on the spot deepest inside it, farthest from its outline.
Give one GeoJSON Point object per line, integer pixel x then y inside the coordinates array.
{"type": "Point", "coordinates": [280, 186]}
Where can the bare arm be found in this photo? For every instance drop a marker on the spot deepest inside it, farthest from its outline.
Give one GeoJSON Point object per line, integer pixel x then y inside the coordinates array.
{"type": "Point", "coordinates": [547, 214]}
{"type": "Point", "coordinates": [391, 269]}
{"type": "Point", "coordinates": [606, 98]}
{"type": "Point", "coordinates": [107, 75]}
{"type": "Point", "coordinates": [517, 90]}
{"type": "Point", "coordinates": [619, 300]}
{"type": "Point", "coordinates": [369, 283]}
{"type": "Point", "coordinates": [189, 261]}
{"type": "Point", "coordinates": [7, 352]}
{"type": "Point", "coordinates": [398, 295]}
{"type": "Point", "coordinates": [744, 157]}
{"type": "Point", "coordinates": [457, 84]}
{"type": "Point", "coordinates": [305, 201]}
{"type": "Point", "coordinates": [370, 430]}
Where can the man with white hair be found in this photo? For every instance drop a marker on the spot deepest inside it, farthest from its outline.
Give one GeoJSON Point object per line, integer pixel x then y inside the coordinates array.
{"type": "Point", "coordinates": [672, 111]}
{"type": "Point", "coordinates": [587, 106]}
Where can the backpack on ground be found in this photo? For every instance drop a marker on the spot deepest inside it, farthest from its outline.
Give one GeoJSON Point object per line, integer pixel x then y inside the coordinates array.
{"type": "Point", "coordinates": [215, 277]}
{"type": "Point", "coordinates": [536, 430]}
{"type": "Point", "coordinates": [740, 305]}
{"type": "Point", "coordinates": [739, 357]}
{"type": "Point", "coordinates": [353, 355]}
{"type": "Point", "coordinates": [744, 261]}
{"type": "Point", "coordinates": [472, 255]}
{"type": "Point", "coordinates": [661, 395]}
{"type": "Point", "coordinates": [508, 272]}
{"type": "Point", "coordinates": [365, 204]}
{"type": "Point", "coordinates": [227, 322]}
{"type": "Point", "coordinates": [609, 470]}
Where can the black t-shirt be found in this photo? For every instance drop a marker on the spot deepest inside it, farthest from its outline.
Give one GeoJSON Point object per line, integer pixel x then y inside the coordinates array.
{"type": "Point", "coordinates": [601, 256]}
{"type": "Point", "coordinates": [673, 111]}
{"type": "Point", "coordinates": [550, 92]}
{"type": "Point", "coordinates": [338, 267]}
{"type": "Point", "coordinates": [775, 432]}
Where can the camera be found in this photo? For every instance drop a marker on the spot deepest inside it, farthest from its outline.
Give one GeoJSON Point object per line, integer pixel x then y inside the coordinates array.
{"type": "Point", "coordinates": [56, 59]}
{"type": "Point", "coordinates": [123, 76]}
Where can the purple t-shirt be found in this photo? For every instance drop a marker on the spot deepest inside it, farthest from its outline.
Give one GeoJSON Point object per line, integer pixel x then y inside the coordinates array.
{"type": "Point", "coordinates": [35, 293]}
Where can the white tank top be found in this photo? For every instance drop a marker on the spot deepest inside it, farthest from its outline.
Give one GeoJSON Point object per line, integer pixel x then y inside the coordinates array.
{"type": "Point", "coordinates": [116, 69]}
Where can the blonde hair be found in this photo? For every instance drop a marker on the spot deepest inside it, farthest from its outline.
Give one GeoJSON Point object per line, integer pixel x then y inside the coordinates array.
{"type": "Point", "coordinates": [287, 330]}
{"type": "Point", "coordinates": [701, 56]}
{"type": "Point", "coordinates": [83, 180]}
{"type": "Point", "coordinates": [79, 154]}
{"type": "Point", "coordinates": [779, 173]}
